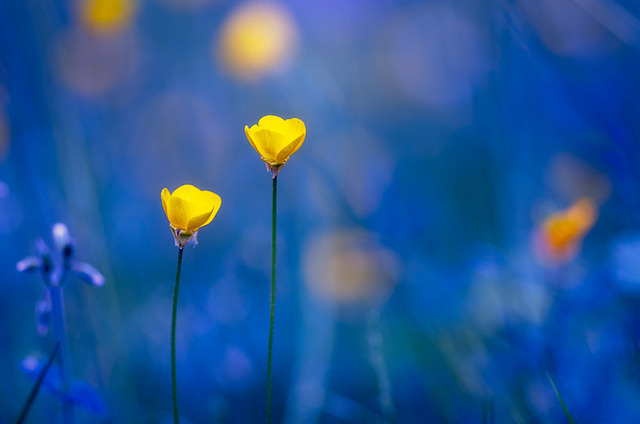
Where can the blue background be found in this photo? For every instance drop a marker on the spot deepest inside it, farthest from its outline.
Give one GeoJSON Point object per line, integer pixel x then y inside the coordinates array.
{"type": "Point", "coordinates": [439, 136]}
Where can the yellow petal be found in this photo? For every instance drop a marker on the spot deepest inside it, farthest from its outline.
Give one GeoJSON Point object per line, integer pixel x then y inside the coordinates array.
{"type": "Point", "coordinates": [293, 132]}
{"type": "Point", "coordinates": [198, 221]}
{"type": "Point", "coordinates": [269, 142]}
{"type": "Point", "coordinates": [186, 203]}
{"type": "Point", "coordinates": [290, 149]}
{"type": "Point", "coordinates": [271, 122]}
{"type": "Point", "coordinates": [180, 211]}
{"type": "Point", "coordinates": [294, 128]}
{"type": "Point", "coordinates": [187, 192]}
{"type": "Point", "coordinates": [165, 195]}
{"type": "Point", "coordinates": [256, 141]}
{"type": "Point", "coordinates": [248, 132]}
{"type": "Point", "coordinates": [217, 202]}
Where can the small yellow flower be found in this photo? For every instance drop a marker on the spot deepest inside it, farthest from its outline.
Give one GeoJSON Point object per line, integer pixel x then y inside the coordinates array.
{"type": "Point", "coordinates": [276, 139]}
{"type": "Point", "coordinates": [188, 209]}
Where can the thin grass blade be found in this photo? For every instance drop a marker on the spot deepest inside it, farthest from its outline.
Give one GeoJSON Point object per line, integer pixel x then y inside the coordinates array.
{"type": "Point", "coordinates": [36, 387]}
{"type": "Point", "coordinates": [564, 407]}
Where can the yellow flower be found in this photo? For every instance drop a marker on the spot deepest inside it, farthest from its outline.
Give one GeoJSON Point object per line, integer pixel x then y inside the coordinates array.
{"type": "Point", "coordinates": [188, 209]}
{"type": "Point", "coordinates": [276, 139]}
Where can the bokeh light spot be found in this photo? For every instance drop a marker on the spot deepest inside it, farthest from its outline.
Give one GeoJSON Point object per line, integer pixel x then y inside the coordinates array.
{"type": "Point", "coordinates": [350, 268]}
{"type": "Point", "coordinates": [257, 39]}
{"type": "Point", "coordinates": [106, 16]}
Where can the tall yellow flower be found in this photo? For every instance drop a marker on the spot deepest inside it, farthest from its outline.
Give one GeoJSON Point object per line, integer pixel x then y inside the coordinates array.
{"type": "Point", "coordinates": [188, 209]}
{"type": "Point", "coordinates": [276, 139]}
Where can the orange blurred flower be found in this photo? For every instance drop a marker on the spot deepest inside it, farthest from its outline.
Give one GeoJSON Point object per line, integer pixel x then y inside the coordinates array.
{"type": "Point", "coordinates": [560, 235]}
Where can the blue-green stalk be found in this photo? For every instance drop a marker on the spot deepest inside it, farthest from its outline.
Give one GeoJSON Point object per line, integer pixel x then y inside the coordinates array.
{"type": "Point", "coordinates": [273, 292]}
{"type": "Point", "coordinates": [174, 388]}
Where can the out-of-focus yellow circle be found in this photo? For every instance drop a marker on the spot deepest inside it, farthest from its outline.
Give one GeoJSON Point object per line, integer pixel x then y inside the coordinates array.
{"type": "Point", "coordinates": [106, 16]}
{"type": "Point", "coordinates": [349, 267]}
{"type": "Point", "coordinates": [257, 39]}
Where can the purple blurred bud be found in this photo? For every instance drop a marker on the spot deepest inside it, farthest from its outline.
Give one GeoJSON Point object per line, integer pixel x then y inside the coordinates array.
{"type": "Point", "coordinates": [45, 256]}
{"type": "Point", "coordinates": [42, 247]}
{"type": "Point", "coordinates": [63, 240]}
{"type": "Point", "coordinates": [88, 273]}
{"type": "Point", "coordinates": [29, 264]}
{"type": "Point", "coordinates": [31, 364]}
{"type": "Point", "coordinates": [43, 314]}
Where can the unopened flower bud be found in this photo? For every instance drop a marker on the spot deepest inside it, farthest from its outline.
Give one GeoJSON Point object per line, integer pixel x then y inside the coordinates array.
{"type": "Point", "coordinates": [45, 256]}
{"type": "Point", "coordinates": [43, 314]}
{"type": "Point", "coordinates": [63, 241]}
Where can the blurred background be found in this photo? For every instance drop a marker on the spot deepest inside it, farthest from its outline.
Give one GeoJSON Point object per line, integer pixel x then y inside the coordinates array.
{"type": "Point", "coordinates": [462, 217]}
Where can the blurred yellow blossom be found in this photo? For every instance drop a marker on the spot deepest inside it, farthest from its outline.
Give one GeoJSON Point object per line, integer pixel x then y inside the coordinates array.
{"type": "Point", "coordinates": [188, 209]}
{"type": "Point", "coordinates": [257, 39]}
{"type": "Point", "coordinates": [276, 139]}
{"type": "Point", "coordinates": [350, 268]}
{"type": "Point", "coordinates": [107, 16]}
{"type": "Point", "coordinates": [560, 235]}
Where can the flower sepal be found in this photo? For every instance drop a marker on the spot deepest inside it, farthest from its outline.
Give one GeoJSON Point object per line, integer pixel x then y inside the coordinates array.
{"type": "Point", "coordinates": [183, 237]}
{"type": "Point", "coordinates": [274, 169]}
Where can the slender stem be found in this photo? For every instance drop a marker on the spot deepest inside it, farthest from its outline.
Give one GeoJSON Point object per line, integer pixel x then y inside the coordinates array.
{"type": "Point", "coordinates": [273, 293]}
{"type": "Point", "coordinates": [36, 387]}
{"type": "Point", "coordinates": [57, 310]}
{"type": "Point", "coordinates": [173, 339]}
{"type": "Point", "coordinates": [564, 407]}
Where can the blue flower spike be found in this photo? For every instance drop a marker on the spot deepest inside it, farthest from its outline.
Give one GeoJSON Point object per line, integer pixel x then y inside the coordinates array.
{"type": "Point", "coordinates": [50, 313]}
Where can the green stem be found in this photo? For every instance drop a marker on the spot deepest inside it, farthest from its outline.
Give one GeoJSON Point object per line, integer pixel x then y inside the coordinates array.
{"type": "Point", "coordinates": [173, 339]}
{"type": "Point", "coordinates": [36, 388]}
{"type": "Point", "coordinates": [273, 292]}
{"type": "Point", "coordinates": [564, 407]}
